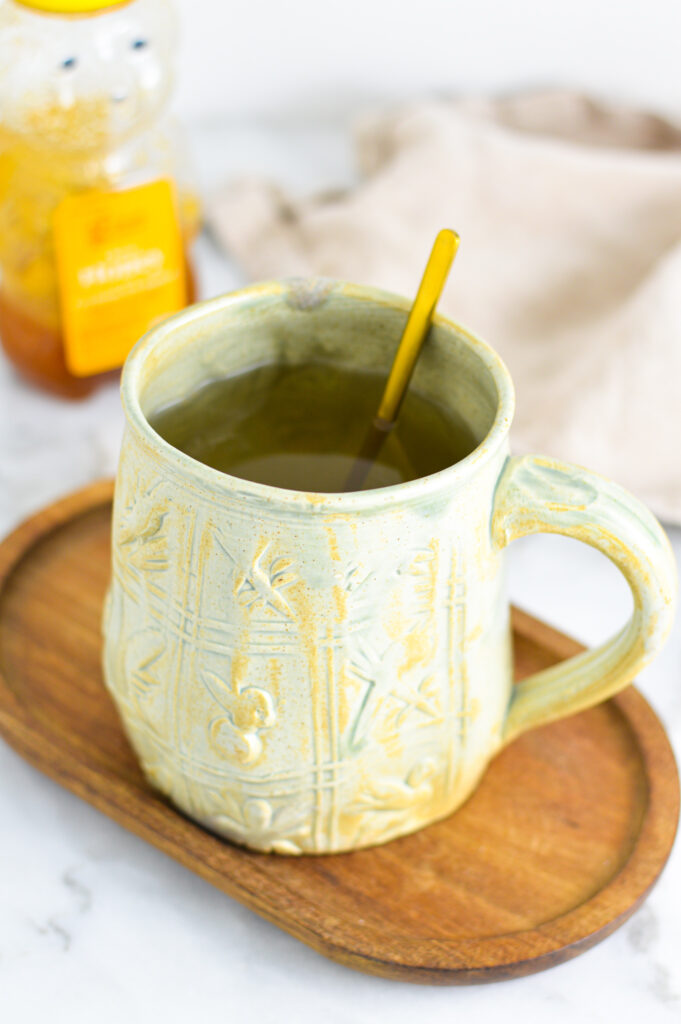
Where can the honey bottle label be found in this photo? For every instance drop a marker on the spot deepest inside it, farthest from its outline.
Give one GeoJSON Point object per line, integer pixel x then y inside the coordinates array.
{"type": "Point", "coordinates": [120, 267]}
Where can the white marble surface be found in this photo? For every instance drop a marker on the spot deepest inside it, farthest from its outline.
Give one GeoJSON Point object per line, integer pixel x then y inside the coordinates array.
{"type": "Point", "coordinates": [97, 926]}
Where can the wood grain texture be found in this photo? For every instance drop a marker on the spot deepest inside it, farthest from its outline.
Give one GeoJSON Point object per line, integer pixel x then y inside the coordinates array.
{"type": "Point", "coordinates": [568, 831]}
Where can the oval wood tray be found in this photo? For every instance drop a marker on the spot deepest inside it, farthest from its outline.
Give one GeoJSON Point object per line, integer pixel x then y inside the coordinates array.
{"type": "Point", "coordinates": [568, 831]}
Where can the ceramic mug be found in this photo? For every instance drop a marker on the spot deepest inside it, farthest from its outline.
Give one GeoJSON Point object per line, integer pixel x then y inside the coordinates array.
{"type": "Point", "coordinates": [307, 672]}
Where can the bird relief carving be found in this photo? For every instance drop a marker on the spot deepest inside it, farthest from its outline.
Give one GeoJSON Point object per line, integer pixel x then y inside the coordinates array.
{"type": "Point", "coordinates": [142, 533]}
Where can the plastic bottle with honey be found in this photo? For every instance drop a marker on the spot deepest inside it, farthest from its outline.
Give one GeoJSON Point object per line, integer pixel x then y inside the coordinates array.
{"type": "Point", "coordinates": [96, 213]}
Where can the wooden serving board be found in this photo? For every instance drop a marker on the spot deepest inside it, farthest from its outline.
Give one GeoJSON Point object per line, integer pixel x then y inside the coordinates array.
{"type": "Point", "coordinates": [568, 831]}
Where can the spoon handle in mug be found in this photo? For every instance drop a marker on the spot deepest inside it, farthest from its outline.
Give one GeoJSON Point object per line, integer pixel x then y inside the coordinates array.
{"type": "Point", "coordinates": [541, 495]}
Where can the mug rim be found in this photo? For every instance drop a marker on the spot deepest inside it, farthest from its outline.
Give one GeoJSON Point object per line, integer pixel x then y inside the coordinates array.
{"type": "Point", "coordinates": [337, 501]}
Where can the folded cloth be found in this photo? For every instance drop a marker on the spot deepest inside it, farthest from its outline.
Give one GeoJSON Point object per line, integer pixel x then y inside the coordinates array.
{"type": "Point", "coordinates": [569, 213]}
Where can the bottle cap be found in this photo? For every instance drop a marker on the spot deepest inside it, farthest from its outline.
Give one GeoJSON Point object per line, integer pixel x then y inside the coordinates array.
{"type": "Point", "coordinates": [71, 6]}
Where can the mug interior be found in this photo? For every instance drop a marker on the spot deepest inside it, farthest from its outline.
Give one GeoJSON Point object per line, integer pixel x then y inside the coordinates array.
{"type": "Point", "coordinates": [322, 322]}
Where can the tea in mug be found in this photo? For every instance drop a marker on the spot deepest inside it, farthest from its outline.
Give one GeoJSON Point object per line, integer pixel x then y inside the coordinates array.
{"type": "Point", "coordinates": [302, 427]}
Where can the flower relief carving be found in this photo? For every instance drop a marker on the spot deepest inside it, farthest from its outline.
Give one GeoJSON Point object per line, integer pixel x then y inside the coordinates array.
{"type": "Point", "coordinates": [247, 712]}
{"type": "Point", "coordinates": [254, 821]}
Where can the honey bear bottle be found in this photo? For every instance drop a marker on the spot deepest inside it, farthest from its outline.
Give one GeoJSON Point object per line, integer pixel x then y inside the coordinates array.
{"type": "Point", "coordinates": [96, 213]}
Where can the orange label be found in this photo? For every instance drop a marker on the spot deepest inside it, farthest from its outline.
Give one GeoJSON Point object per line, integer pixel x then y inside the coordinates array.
{"type": "Point", "coordinates": [120, 265]}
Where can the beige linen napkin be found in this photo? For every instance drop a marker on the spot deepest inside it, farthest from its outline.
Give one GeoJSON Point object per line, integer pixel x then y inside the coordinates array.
{"type": "Point", "coordinates": [570, 262]}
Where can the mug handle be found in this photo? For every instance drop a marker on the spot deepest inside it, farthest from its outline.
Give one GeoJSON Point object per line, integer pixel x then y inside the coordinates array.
{"type": "Point", "coordinates": [541, 495]}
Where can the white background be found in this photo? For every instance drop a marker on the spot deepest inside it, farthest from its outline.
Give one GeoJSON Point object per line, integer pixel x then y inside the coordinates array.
{"type": "Point", "coordinates": [329, 57]}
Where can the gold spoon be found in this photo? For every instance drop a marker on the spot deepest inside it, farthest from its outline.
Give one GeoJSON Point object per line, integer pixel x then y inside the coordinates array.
{"type": "Point", "coordinates": [433, 281]}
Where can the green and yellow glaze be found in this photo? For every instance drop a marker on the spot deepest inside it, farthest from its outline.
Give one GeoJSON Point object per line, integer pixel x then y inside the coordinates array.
{"type": "Point", "coordinates": [310, 673]}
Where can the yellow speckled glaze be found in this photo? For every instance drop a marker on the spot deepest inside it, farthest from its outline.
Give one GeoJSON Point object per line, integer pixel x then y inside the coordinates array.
{"type": "Point", "coordinates": [309, 673]}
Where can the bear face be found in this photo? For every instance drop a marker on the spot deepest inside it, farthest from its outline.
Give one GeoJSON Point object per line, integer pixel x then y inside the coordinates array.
{"type": "Point", "coordinates": [84, 84]}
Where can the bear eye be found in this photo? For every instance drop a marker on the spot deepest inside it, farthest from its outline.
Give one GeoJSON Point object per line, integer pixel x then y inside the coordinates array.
{"type": "Point", "coordinates": [139, 44]}
{"type": "Point", "coordinates": [69, 64]}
